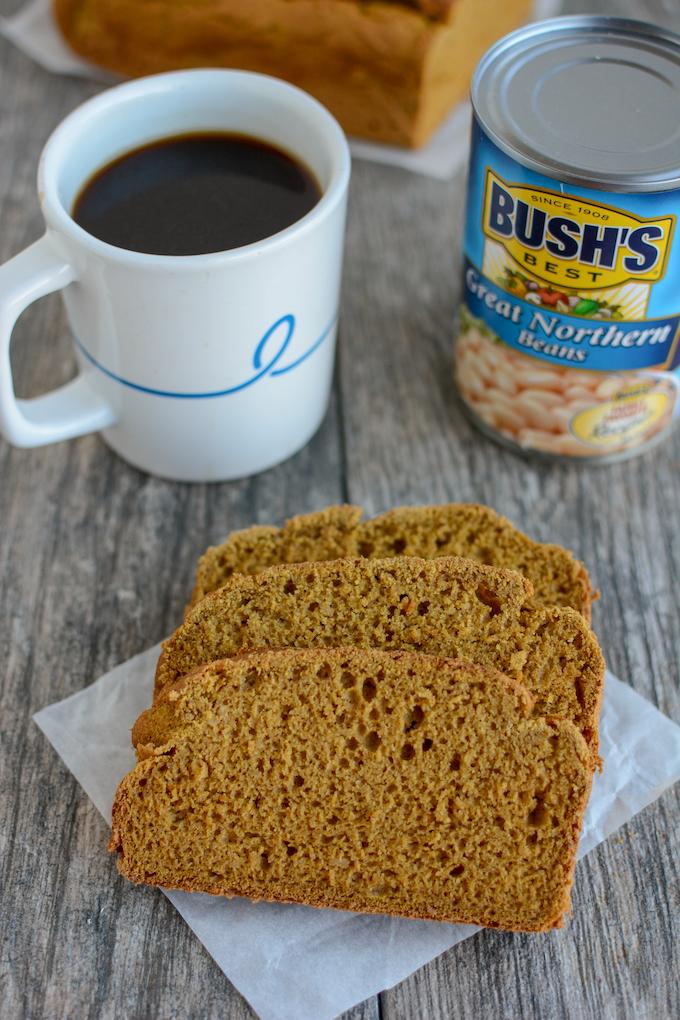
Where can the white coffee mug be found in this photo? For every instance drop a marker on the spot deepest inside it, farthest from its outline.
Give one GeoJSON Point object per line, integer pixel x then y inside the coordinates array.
{"type": "Point", "coordinates": [200, 367]}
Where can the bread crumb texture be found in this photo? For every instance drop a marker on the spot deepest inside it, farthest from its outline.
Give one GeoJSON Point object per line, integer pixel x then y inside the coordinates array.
{"type": "Point", "coordinates": [386, 782]}
{"type": "Point", "coordinates": [457, 529]}
{"type": "Point", "coordinates": [453, 607]}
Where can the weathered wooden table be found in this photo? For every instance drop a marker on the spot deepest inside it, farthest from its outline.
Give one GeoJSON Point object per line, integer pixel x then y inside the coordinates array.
{"type": "Point", "coordinates": [97, 562]}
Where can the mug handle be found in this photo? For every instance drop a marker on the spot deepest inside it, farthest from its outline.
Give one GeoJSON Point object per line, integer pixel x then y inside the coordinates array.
{"type": "Point", "coordinates": [73, 409]}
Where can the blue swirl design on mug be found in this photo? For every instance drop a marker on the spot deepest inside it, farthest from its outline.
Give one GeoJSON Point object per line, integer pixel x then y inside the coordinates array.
{"type": "Point", "coordinates": [261, 367]}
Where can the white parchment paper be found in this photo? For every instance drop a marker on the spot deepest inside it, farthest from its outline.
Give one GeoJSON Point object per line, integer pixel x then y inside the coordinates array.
{"type": "Point", "coordinates": [299, 963]}
{"type": "Point", "coordinates": [34, 31]}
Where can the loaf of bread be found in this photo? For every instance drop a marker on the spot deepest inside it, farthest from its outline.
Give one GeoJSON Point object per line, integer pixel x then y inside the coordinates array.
{"type": "Point", "coordinates": [389, 70]}
{"type": "Point", "coordinates": [383, 782]}
{"type": "Point", "coordinates": [456, 608]}
{"type": "Point", "coordinates": [456, 529]}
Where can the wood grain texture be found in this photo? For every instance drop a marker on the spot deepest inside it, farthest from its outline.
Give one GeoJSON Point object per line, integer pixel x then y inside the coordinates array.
{"type": "Point", "coordinates": [96, 562]}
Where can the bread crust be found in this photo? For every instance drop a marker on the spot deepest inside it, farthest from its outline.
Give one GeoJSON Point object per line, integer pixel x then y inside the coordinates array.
{"type": "Point", "coordinates": [389, 71]}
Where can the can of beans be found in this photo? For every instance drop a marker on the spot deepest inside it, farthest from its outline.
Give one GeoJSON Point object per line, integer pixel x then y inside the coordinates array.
{"type": "Point", "coordinates": [569, 327]}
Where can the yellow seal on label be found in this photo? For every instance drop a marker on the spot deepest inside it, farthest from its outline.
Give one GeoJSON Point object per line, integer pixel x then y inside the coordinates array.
{"type": "Point", "coordinates": [636, 411]}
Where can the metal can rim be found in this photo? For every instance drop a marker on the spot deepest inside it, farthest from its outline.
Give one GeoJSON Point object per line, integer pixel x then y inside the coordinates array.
{"type": "Point", "coordinates": [621, 182]}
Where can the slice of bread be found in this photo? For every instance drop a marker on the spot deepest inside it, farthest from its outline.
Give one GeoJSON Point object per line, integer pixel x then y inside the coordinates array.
{"type": "Point", "coordinates": [452, 607]}
{"type": "Point", "coordinates": [458, 529]}
{"type": "Point", "coordinates": [384, 782]}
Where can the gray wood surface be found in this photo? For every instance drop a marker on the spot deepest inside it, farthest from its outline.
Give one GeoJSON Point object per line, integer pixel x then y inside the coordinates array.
{"type": "Point", "coordinates": [96, 562]}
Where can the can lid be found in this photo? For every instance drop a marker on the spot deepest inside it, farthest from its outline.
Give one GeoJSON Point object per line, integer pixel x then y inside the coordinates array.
{"type": "Point", "coordinates": [593, 101]}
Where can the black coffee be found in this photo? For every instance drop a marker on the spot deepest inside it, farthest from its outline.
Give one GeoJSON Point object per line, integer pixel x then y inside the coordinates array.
{"type": "Point", "coordinates": [195, 194]}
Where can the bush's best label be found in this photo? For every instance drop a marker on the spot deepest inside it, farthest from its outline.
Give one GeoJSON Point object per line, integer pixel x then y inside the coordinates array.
{"type": "Point", "coordinates": [571, 317]}
{"type": "Point", "coordinates": [572, 242]}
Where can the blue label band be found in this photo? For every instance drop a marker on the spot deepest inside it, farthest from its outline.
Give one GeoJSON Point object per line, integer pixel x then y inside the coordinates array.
{"type": "Point", "coordinates": [283, 328]}
{"type": "Point", "coordinates": [602, 345]}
